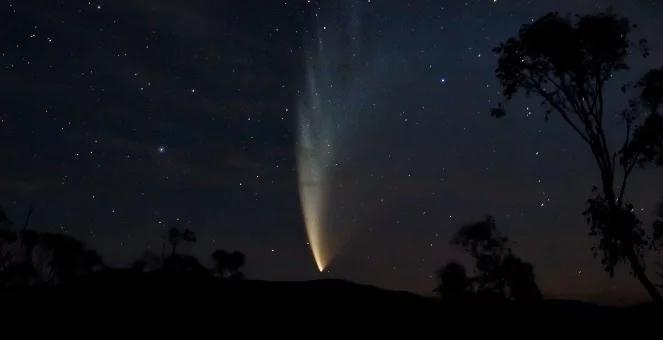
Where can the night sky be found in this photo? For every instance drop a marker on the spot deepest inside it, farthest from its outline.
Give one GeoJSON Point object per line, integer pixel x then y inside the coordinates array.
{"type": "Point", "coordinates": [120, 119]}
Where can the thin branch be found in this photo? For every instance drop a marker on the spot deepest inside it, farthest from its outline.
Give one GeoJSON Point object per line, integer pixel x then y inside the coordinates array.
{"type": "Point", "coordinates": [559, 109]}
{"type": "Point", "coordinates": [627, 173]}
{"type": "Point", "coordinates": [594, 137]}
{"type": "Point", "coordinates": [629, 163]}
{"type": "Point", "coordinates": [27, 218]}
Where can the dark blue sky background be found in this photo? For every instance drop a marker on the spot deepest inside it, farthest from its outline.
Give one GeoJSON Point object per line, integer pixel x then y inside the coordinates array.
{"type": "Point", "coordinates": [122, 118]}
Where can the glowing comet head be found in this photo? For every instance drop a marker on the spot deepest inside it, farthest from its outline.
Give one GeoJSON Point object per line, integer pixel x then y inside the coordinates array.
{"type": "Point", "coordinates": [318, 255]}
{"type": "Point", "coordinates": [312, 207]}
{"type": "Point", "coordinates": [313, 192]}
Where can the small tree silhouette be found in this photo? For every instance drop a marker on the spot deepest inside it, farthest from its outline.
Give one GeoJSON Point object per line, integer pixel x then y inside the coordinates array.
{"type": "Point", "coordinates": [176, 236]}
{"type": "Point", "coordinates": [658, 224]}
{"type": "Point", "coordinates": [455, 286]}
{"type": "Point", "coordinates": [64, 258]}
{"type": "Point", "coordinates": [567, 64]}
{"type": "Point", "coordinates": [500, 274]}
{"type": "Point", "coordinates": [177, 263]}
{"type": "Point", "coordinates": [488, 248]}
{"type": "Point", "coordinates": [646, 146]}
{"type": "Point", "coordinates": [4, 219]}
{"type": "Point", "coordinates": [28, 258]}
{"type": "Point", "coordinates": [652, 90]}
{"type": "Point", "coordinates": [183, 264]}
{"type": "Point", "coordinates": [227, 265]}
{"type": "Point", "coordinates": [658, 238]}
{"type": "Point", "coordinates": [520, 280]}
{"type": "Point", "coordinates": [148, 262]}
{"type": "Point", "coordinates": [647, 143]}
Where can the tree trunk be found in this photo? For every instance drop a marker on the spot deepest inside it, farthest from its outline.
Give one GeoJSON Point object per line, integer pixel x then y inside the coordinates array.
{"type": "Point", "coordinates": [638, 269]}
{"type": "Point", "coordinates": [640, 274]}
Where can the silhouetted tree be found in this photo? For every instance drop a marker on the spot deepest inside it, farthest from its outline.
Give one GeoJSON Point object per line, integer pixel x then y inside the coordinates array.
{"type": "Point", "coordinates": [227, 265]}
{"type": "Point", "coordinates": [175, 236]}
{"type": "Point", "coordinates": [7, 237]}
{"type": "Point", "coordinates": [567, 64]}
{"type": "Point", "coordinates": [29, 257]}
{"type": "Point", "coordinates": [520, 280]}
{"type": "Point", "coordinates": [178, 264]}
{"type": "Point", "coordinates": [175, 262]}
{"type": "Point", "coordinates": [7, 256]}
{"type": "Point", "coordinates": [183, 264]}
{"type": "Point", "coordinates": [66, 258]}
{"type": "Point", "coordinates": [658, 238]}
{"type": "Point", "coordinates": [49, 259]}
{"type": "Point", "coordinates": [455, 285]}
{"type": "Point", "coordinates": [646, 146]}
{"type": "Point", "coordinates": [500, 274]}
{"type": "Point", "coordinates": [652, 89]}
{"type": "Point", "coordinates": [658, 224]}
{"type": "Point", "coordinates": [148, 262]}
{"type": "Point", "coordinates": [647, 143]}
{"type": "Point", "coordinates": [4, 219]}
{"type": "Point", "coordinates": [488, 248]}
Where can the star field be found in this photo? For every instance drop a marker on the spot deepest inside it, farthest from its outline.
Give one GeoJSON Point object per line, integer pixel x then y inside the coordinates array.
{"type": "Point", "coordinates": [122, 119]}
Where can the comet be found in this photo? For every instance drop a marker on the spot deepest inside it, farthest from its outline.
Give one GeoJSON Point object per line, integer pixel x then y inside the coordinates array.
{"type": "Point", "coordinates": [333, 97]}
{"type": "Point", "coordinates": [314, 154]}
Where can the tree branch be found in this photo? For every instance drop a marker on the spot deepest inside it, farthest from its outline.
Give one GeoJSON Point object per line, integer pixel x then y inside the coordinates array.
{"type": "Point", "coordinates": [562, 112]}
{"type": "Point", "coordinates": [627, 173]}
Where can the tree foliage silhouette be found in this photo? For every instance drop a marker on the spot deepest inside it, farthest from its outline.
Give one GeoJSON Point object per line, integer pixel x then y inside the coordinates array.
{"type": "Point", "coordinates": [4, 219]}
{"type": "Point", "coordinates": [28, 258]}
{"type": "Point", "coordinates": [500, 273]}
{"type": "Point", "coordinates": [148, 262]}
{"type": "Point", "coordinates": [186, 264]}
{"type": "Point", "coordinates": [647, 144]}
{"type": "Point", "coordinates": [652, 90]}
{"type": "Point", "coordinates": [658, 224]}
{"type": "Point", "coordinates": [488, 247]}
{"type": "Point", "coordinates": [227, 265]}
{"type": "Point", "coordinates": [176, 236]}
{"type": "Point", "coordinates": [658, 238]}
{"type": "Point", "coordinates": [175, 262]}
{"type": "Point", "coordinates": [455, 286]}
{"type": "Point", "coordinates": [567, 64]}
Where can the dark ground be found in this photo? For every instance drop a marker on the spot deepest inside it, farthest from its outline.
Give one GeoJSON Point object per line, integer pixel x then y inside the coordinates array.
{"type": "Point", "coordinates": [119, 297]}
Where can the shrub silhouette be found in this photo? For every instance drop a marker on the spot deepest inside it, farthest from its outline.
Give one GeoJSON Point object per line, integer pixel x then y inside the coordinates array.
{"type": "Point", "coordinates": [28, 257]}
{"type": "Point", "coordinates": [455, 285]}
{"type": "Point", "coordinates": [227, 265]}
{"type": "Point", "coordinates": [500, 274]}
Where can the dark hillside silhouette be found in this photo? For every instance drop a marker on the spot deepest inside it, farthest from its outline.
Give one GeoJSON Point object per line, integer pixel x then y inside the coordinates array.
{"type": "Point", "coordinates": [64, 280]}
